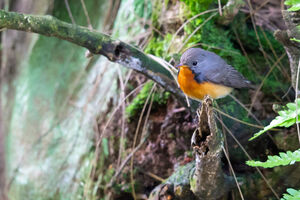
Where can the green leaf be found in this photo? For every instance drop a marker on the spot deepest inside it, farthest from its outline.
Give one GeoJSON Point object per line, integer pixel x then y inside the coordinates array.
{"type": "Point", "coordinates": [286, 118]}
{"type": "Point", "coordinates": [286, 158]}
{"type": "Point", "coordinates": [294, 39]}
{"type": "Point", "coordinates": [295, 5]}
{"type": "Point", "coordinates": [292, 194]}
{"type": "Point", "coordinates": [105, 147]}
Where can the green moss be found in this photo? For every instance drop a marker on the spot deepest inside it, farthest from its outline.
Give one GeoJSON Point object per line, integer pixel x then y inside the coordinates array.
{"type": "Point", "coordinates": [223, 45]}
{"type": "Point", "coordinates": [182, 175]}
{"type": "Point", "coordinates": [158, 46]}
{"type": "Point", "coordinates": [194, 7]}
{"type": "Point", "coordinates": [138, 102]}
{"type": "Point", "coordinates": [197, 6]}
{"type": "Point", "coordinates": [248, 36]}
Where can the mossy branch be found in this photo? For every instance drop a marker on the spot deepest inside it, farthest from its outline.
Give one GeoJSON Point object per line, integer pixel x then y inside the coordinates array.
{"type": "Point", "coordinates": [96, 42]}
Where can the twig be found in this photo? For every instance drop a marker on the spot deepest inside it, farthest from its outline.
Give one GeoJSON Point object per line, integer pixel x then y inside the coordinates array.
{"type": "Point", "coordinates": [122, 95]}
{"type": "Point", "coordinates": [86, 14]}
{"type": "Point", "coordinates": [235, 179]}
{"type": "Point", "coordinates": [249, 157]}
{"type": "Point", "coordinates": [70, 12]}
{"type": "Point", "coordinates": [263, 81]}
{"type": "Point", "coordinates": [112, 180]}
{"type": "Point", "coordinates": [296, 100]}
{"type": "Point", "coordinates": [185, 23]}
{"type": "Point", "coordinates": [195, 31]}
{"type": "Point", "coordinates": [97, 151]}
{"type": "Point", "coordinates": [238, 120]}
{"type": "Point", "coordinates": [220, 7]}
{"type": "Point", "coordinates": [136, 134]}
{"type": "Point", "coordinates": [154, 176]}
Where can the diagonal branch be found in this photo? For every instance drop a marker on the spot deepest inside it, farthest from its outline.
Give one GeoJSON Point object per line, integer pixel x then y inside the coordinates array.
{"type": "Point", "coordinates": [96, 42]}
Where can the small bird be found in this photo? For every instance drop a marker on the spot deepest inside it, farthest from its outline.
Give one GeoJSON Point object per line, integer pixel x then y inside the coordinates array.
{"type": "Point", "coordinates": [202, 73]}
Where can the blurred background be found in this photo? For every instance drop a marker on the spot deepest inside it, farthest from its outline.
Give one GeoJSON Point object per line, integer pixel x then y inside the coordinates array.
{"type": "Point", "coordinates": [69, 124]}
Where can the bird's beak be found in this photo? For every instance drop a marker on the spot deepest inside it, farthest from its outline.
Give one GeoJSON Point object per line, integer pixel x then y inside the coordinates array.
{"type": "Point", "coordinates": [181, 65]}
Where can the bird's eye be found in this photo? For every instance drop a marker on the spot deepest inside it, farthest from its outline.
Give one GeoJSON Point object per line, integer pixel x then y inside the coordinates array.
{"type": "Point", "coordinates": [194, 63]}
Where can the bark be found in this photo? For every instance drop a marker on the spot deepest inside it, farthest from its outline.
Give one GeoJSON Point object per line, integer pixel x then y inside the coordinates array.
{"type": "Point", "coordinates": [208, 180]}
{"type": "Point", "coordinates": [2, 157]}
{"type": "Point", "coordinates": [2, 152]}
{"type": "Point", "coordinates": [292, 48]}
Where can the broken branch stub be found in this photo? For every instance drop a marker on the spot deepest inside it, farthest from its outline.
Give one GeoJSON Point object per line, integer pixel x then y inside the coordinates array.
{"type": "Point", "coordinates": [204, 178]}
{"type": "Point", "coordinates": [208, 180]}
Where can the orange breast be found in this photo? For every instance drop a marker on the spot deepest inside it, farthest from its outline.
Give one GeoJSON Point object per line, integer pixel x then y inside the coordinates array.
{"type": "Point", "coordinates": [196, 90]}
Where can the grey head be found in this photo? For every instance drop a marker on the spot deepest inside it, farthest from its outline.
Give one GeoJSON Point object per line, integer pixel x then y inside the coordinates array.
{"type": "Point", "coordinates": [209, 67]}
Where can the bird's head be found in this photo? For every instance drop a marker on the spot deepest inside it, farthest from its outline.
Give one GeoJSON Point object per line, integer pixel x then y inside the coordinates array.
{"type": "Point", "coordinates": [192, 58]}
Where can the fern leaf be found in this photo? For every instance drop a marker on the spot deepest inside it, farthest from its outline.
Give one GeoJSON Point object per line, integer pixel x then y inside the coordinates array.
{"type": "Point", "coordinates": [292, 194]}
{"type": "Point", "coordinates": [294, 39]}
{"type": "Point", "coordinates": [274, 161]}
{"type": "Point", "coordinates": [295, 4]}
{"type": "Point", "coordinates": [286, 118]}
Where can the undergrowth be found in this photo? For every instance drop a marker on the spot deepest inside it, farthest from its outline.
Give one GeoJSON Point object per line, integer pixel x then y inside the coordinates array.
{"type": "Point", "coordinates": [286, 118]}
{"type": "Point", "coordinates": [159, 98]}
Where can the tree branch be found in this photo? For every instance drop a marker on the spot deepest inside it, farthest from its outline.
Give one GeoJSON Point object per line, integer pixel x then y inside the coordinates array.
{"type": "Point", "coordinates": [292, 48]}
{"type": "Point", "coordinates": [96, 42]}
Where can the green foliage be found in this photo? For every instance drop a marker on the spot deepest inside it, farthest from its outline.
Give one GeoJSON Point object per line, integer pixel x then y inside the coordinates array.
{"type": "Point", "coordinates": [105, 147]}
{"type": "Point", "coordinates": [286, 118]}
{"type": "Point", "coordinates": [294, 39]}
{"type": "Point", "coordinates": [197, 6]}
{"type": "Point", "coordinates": [248, 36]}
{"type": "Point", "coordinates": [274, 161]}
{"type": "Point", "coordinates": [138, 102]}
{"type": "Point", "coordinates": [194, 8]}
{"type": "Point", "coordinates": [292, 194]}
{"type": "Point", "coordinates": [142, 8]}
{"type": "Point", "coordinates": [210, 32]}
{"type": "Point", "coordinates": [209, 35]}
{"type": "Point", "coordinates": [249, 39]}
{"type": "Point", "coordinates": [295, 5]}
{"type": "Point", "coordinates": [156, 12]}
{"type": "Point", "coordinates": [158, 46]}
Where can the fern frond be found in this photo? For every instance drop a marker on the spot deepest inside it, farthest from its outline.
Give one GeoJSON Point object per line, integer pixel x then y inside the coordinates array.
{"type": "Point", "coordinates": [274, 161]}
{"type": "Point", "coordinates": [295, 4]}
{"type": "Point", "coordinates": [286, 118]}
{"type": "Point", "coordinates": [292, 194]}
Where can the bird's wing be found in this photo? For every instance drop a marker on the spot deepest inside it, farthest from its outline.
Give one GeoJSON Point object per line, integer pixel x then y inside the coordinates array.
{"type": "Point", "coordinates": [224, 74]}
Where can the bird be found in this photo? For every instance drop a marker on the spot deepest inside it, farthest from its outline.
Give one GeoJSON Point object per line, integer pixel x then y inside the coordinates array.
{"type": "Point", "coordinates": [202, 73]}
